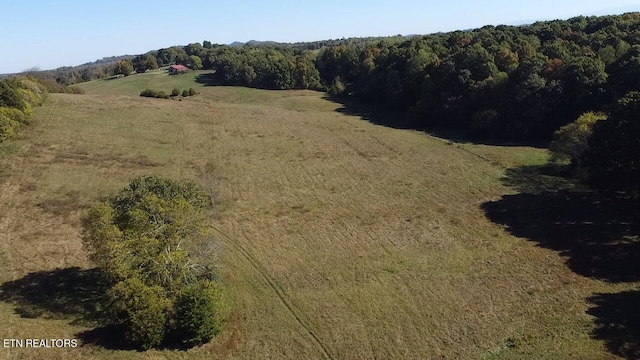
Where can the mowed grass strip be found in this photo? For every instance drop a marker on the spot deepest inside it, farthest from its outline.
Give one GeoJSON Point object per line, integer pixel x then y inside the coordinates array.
{"type": "Point", "coordinates": [375, 237]}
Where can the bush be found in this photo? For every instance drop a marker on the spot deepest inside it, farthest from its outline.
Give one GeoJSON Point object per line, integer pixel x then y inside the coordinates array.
{"type": "Point", "coordinates": [154, 94]}
{"type": "Point", "coordinates": [175, 92]}
{"type": "Point", "coordinates": [142, 309]}
{"type": "Point", "coordinates": [149, 93]}
{"type": "Point", "coordinates": [13, 114]}
{"type": "Point", "coordinates": [185, 93]}
{"type": "Point", "coordinates": [9, 95]}
{"type": "Point", "coordinates": [17, 96]}
{"type": "Point", "coordinates": [7, 127]}
{"type": "Point", "coordinates": [192, 92]}
{"type": "Point", "coordinates": [199, 313]}
{"type": "Point", "coordinates": [30, 97]}
{"type": "Point", "coordinates": [73, 90]}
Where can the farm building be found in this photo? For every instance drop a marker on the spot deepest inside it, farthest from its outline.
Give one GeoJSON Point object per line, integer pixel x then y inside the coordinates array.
{"type": "Point", "coordinates": [177, 69]}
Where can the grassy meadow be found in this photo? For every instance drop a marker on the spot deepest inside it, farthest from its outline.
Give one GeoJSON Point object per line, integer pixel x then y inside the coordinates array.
{"type": "Point", "coordinates": [339, 238]}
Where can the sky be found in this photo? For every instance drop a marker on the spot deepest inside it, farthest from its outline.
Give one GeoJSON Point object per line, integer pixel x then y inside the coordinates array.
{"type": "Point", "coordinates": [54, 33]}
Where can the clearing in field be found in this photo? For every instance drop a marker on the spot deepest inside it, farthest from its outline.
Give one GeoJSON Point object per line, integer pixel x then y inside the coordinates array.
{"type": "Point", "coordinates": [342, 239]}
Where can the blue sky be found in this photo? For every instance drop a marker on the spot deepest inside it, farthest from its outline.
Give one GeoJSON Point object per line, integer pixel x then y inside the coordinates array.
{"type": "Point", "coordinates": [50, 34]}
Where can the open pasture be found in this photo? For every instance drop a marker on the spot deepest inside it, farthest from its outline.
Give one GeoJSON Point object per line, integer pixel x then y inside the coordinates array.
{"type": "Point", "coordinates": [340, 239]}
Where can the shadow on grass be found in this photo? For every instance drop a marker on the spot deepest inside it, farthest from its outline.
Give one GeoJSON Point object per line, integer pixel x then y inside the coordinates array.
{"type": "Point", "coordinates": [381, 114]}
{"type": "Point", "coordinates": [111, 337]}
{"type": "Point", "coordinates": [618, 322]}
{"type": "Point", "coordinates": [539, 178]}
{"type": "Point", "coordinates": [63, 293]}
{"type": "Point", "coordinates": [75, 294]}
{"type": "Point", "coordinates": [597, 233]}
{"type": "Point", "coordinates": [374, 113]}
{"type": "Point", "coordinates": [71, 293]}
{"type": "Point", "coordinates": [208, 79]}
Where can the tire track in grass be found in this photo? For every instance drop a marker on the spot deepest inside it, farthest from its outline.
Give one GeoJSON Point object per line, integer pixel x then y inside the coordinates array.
{"type": "Point", "coordinates": [277, 290]}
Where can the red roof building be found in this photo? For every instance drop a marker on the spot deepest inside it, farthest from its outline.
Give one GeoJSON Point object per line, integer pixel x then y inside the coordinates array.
{"type": "Point", "coordinates": [177, 69]}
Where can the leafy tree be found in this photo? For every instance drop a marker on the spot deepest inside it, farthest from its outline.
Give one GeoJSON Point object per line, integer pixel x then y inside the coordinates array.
{"type": "Point", "coordinates": [145, 62]}
{"type": "Point", "coordinates": [506, 60]}
{"type": "Point", "coordinates": [146, 239]}
{"type": "Point", "coordinates": [180, 56]}
{"type": "Point", "coordinates": [199, 313]}
{"type": "Point", "coordinates": [142, 309]}
{"type": "Point", "coordinates": [167, 56]}
{"type": "Point", "coordinates": [571, 141]}
{"type": "Point", "coordinates": [195, 63]}
{"type": "Point", "coordinates": [193, 49]}
{"type": "Point", "coordinates": [123, 67]}
{"type": "Point", "coordinates": [9, 95]}
{"type": "Point", "coordinates": [625, 72]}
{"type": "Point", "coordinates": [613, 160]}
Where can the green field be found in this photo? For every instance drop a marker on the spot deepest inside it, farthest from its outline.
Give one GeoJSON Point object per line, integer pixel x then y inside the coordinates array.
{"type": "Point", "coordinates": [339, 238]}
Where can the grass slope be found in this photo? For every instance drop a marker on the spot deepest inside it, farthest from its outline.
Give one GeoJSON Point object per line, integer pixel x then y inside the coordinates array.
{"type": "Point", "coordinates": [342, 239]}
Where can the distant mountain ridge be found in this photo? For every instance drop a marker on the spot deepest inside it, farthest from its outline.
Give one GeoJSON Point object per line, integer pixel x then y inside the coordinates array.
{"type": "Point", "coordinates": [303, 43]}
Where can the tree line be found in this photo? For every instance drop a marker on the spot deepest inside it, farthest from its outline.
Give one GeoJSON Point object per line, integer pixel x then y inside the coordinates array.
{"type": "Point", "coordinates": [496, 83]}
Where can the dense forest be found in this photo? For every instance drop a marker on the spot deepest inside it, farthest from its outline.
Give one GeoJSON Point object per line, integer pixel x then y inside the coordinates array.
{"type": "Point", "coordinates": [498, 83]}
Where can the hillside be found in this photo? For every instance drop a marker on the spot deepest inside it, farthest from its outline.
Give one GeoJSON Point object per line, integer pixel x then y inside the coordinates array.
{"type": "Point", "coordinates": [341, 239]}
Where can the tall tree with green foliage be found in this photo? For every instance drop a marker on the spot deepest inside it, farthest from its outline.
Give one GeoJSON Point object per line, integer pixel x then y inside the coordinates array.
{"type": "Point", "coordinates": [145, 62]}
{"type": "Point", "coordinates": [124, 67]}
{"type": "Point", "coordinates": [195, 63]}
{"type": "Point", "coordinates": [613, 160]}
{"type": "Point", "coordinates": [571, 141]}
{"type": "Point", "coordinates": [150, 241]}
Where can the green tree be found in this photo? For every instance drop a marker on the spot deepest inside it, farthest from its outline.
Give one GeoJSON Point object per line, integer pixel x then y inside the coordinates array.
{"type": "Point", "coordinates": [175, 92]}
{"type": "Point", "coordinates": [194, 49]}
{"type": "Point", "coordinates": [195, 63]}
{"type": "Point", "coordinates": [571, 141]}
{"type": "Point", "coordinates": [613, 160]}
{"type": "Point", "coordinates": [199, 313]}
{"type": "Point", "coordinates": [145, 62]}
{"type": "Point", "coordinates": [143, 309]}
{"type": "Point", "coordinates": [148, 240]}
{"type": "Point", "coordinates": [9, 95]}
{"type": "Point", "coordinates": [123, 67]}
{"type": "Point", "coordinates": [625, 72]}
